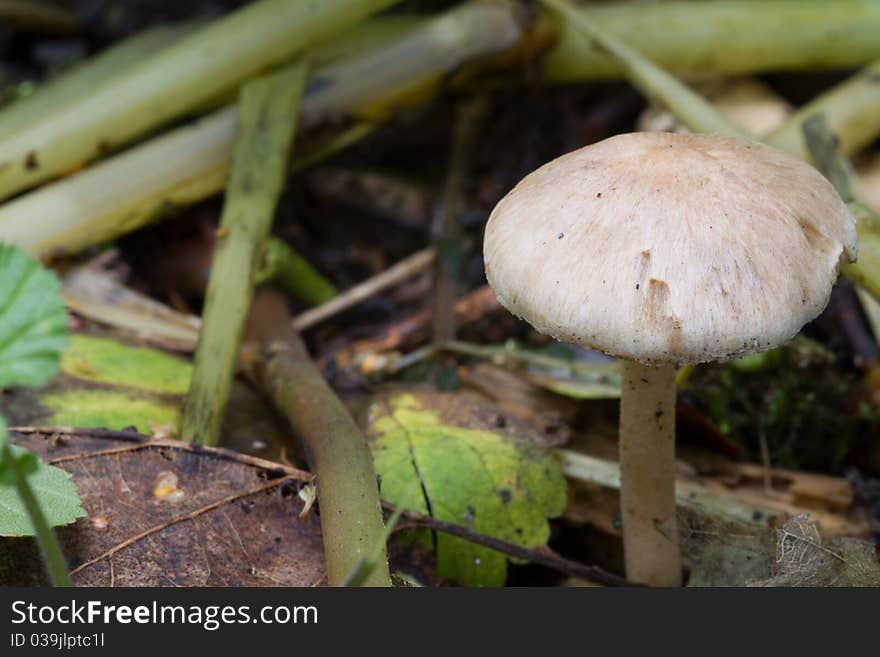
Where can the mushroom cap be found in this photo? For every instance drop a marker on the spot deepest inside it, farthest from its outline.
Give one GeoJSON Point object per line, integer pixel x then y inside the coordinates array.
{"type": "Point", "coordinates": [660, 247]}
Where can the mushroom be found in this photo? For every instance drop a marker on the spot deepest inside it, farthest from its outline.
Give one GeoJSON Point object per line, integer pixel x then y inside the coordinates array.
{"type": "Point", "coordinates": [663, 250]}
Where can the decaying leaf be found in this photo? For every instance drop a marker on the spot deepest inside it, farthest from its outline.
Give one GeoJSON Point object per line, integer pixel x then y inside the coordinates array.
{"type": "Point", "coordinates": [450, 457]}
{"type": "Point", "coordinates": [164, 513]}
{"type": "Point", "coordinates": [805, 558]}
{"type": "Point", "coordinates": [725, 552]}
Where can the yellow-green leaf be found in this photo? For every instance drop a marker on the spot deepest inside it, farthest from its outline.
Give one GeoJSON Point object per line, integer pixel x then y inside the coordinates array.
{"type": "Point", "coordinates": [438, 454]}
{"type": "Point", "coordinates": [102, 360]}
{"type": "Point", "coordinates": [108, 409]}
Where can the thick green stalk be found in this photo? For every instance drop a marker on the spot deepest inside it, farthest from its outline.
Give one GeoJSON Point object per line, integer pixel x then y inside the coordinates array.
{"type": "Point", "coordinates": [824, 149]}
{"type": "Point", "coordinates": [657, 84]}
{"type": "Point", "coordinates": [348, 492]}
{"type": "Point", "coordinates": [851, 108]}
{"type": "Point", "coordinates": [50, 550]}
{"type": "Point", "coordinates": [216, 58]}
{"type": "Point", "coordinates": [723, 37]}
{"type": "Point", "coordinates": [293, 274]}
{"type": "Point", "coordinates": [269, 110]}
{"type": "Point", "coordinates": [70, 86]}
{"type": "Point", "coordinates": [186, 165]}
{"type": "Point", "coordinates": [129, 190]}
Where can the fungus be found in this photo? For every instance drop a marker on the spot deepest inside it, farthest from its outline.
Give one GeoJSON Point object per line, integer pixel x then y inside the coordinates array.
{"type": "Point", "coordinates": [678, 249]}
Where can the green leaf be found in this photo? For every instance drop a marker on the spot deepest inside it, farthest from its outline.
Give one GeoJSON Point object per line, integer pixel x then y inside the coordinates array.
{"type": "Point", "coordinates": [108, 409]}
{"type": "Point", "coordinates": [432, 459]}
{"type": "Point", "coordinates": [53, 487]}
{"type": "Point", "coordinates": [107, 361]}
{"type": "Point", "coordinates": [33, 320]}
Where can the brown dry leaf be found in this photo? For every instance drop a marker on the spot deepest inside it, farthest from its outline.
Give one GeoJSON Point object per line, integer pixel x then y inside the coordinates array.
{"type": "Point", "coordinates": [165, 513]}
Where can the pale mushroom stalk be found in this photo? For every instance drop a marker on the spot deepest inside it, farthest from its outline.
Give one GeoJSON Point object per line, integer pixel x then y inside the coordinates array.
{"type": "Point", "coordinates": [647, 474]}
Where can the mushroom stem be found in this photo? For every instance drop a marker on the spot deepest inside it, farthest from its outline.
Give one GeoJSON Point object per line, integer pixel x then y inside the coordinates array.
{"type": "Point", "coordinates": [647, 474]}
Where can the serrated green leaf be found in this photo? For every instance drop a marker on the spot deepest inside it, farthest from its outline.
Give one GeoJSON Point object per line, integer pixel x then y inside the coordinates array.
{"type": "Point", "coordinates": [480, 478]}
{"type": "Point", "coordinates": [53, 487]}
{"type": "Point", "coordinates": [33, 320]}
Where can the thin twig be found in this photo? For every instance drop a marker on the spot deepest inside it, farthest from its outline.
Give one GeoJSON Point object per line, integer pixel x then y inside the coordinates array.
{"type": "Point", "coordinates": [468, 120]}
{"type": "Point", "coordinates": [403, 270]}
{"type": "Point", "coordinates": [543, 556]}
{"type": "Point", "coordinates": [469, 308]}
{"type": "Point", "coordinates": [139, 442]}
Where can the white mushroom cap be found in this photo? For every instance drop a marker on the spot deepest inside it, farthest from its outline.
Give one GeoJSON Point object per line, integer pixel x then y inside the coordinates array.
{"type": "Point", "coordinates": [659, 247]}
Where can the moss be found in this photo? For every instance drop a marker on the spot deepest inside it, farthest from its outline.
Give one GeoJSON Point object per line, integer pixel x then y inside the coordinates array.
{"type": "Point", "coordinates": [807, 408]}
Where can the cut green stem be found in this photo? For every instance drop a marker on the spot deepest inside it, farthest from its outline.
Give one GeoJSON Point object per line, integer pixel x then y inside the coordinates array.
{"type": "Point", "coordinates": [269, 109]}
{"type": "Point", "coordinates": [218, 57]}
{"type": "Point", "coordinates": [657, 84]}
{"type": "Point", "coordinates": [824, 149]}
{"type": "Point", "coordinates": [186, 165]}
{"type": "Point", "coordinates": [293, 274]}
{"type": "Point", "coordinates": [69, 87]}
{"type": "Point", "coordinates": [723, 37]}
{"type": "Point", "coordinates": [851, 109]}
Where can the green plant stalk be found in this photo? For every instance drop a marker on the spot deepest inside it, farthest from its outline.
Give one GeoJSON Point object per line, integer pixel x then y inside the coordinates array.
{"type": "Point", "coordinates": [269, 109]}
{"type": "Point", "coordinates": [729, 37]}
{"type": "Point", "coordinates": [124, 192]}
{"type": "Point", "coordinates": [699, 115]}
{"type": "Point", "coordinates": [658, 85]}
{"type": "Point", "coordinates": [851, 108]}
{"type": "Point", "coordinates": [824, 149]}
{"type": "Point", "coordinates": [293, 274]}
{"type": "Point", "coordinates": [503, 354]}
{"type": "Point", "coordinates": [414, 64]}
{"type": "Point", "coordinates": [132, 189]}
{"type": "Point", "coordinates": [348, 137]}
{"type": "Point", "coordinates": [129, 190]}
{"type": "Point", "coordinates": [581, 467]}
{"type": "Point", "coordinates": [448, 243]}
{"type": "Point", "coordinates": [68, 87]}
{"type": "Point", "coordinates": [217, 57]}
{"type": "Point", "coordinates": [348, 492]}
{"type": "Point", "coordinates": [366, 37]}
{"type": "Point", "coordinates": [50, 550]}
{"type": "Point", "coordinates": [368, 564]}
